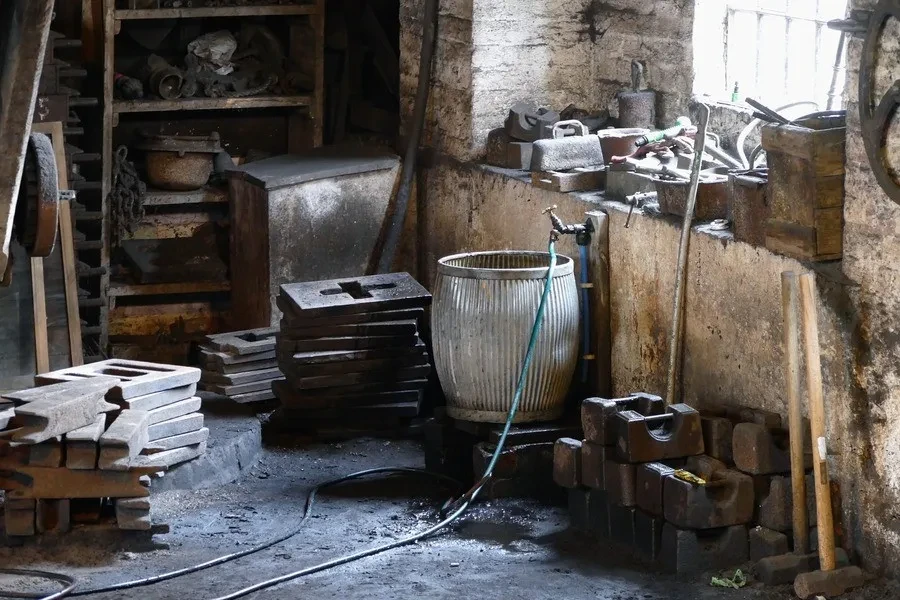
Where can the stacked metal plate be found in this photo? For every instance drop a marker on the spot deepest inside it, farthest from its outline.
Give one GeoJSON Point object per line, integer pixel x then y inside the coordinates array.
{"type": "Point", "coordinates": [240, 364]}
{"type": "Point", "coordinates": [350, 349]}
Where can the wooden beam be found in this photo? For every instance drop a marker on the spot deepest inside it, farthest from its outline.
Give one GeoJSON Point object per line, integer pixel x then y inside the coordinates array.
{"type": "Point", "coordinates": [24, 28]}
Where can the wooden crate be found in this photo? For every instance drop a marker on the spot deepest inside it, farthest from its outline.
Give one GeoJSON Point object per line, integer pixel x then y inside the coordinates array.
{"type": "Point", "coordinates": [806, 187]}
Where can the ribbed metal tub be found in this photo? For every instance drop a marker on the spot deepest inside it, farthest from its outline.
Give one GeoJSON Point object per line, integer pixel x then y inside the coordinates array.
{"type": "Point", "coordinates": [482, 313]}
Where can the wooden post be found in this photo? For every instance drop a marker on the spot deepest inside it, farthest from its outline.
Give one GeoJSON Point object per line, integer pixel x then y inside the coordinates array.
{"type": "Point", "coordinates": [790, 309]}
{"type": "Point", "coordinates": [39, 306]}
{"type": "Point", "coordinates": [824, 519]}
{"type": "Point", "coordinates": [67, 241]}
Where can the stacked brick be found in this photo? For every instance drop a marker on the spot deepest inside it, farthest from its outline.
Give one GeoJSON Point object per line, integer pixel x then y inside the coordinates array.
{"type": "Point", "coordinates": [93, 435]}
{"type": "Point", "coordinates": [627, 482]}
{"type": "Point", "coordinates": [240, 365]}
{"type": "Point", "coordinates": [350, 351]}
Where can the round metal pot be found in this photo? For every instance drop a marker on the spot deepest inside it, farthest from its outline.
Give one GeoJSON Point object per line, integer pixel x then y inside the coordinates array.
{"type": "Point", "coordinates": [619, 142]}
{"type": "Point", "coordinates": [483, 310]}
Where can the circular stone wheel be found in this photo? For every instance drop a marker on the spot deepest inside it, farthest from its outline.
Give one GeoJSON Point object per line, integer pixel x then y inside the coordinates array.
{"type": "Point", "coordinates": [37, 212]}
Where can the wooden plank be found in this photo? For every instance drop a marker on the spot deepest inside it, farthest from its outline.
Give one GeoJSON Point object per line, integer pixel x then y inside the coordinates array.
{"type": "Point", "coordinates": [67, 249]}
{"type": "Point", "coordinates": [39, 306]}
{"type": "Point", "coordinates": [173, 320]}
{"type": "Point", "coordinates": [829, 231]}
{"type": "Point", "coordinates": [59, 483]}
{"type": "Point", "coordinates": [318, 109]}
{"type": "Point", "coordinates": [249, 247]}
{"type": "Point", "coordinates": [204, 12]}
{"type": "Point", "coordinates": [25, 30]}
{"type": "Point", "coordinates": [205, 195]}
{"type": "Point", "coordinates": [117, 289]}
{"type": "Point", "coordinates": [190, 104]}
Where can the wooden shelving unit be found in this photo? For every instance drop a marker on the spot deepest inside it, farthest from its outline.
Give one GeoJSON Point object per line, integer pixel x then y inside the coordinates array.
{"type": "Point", "coordinates": [202, 12]}
{"type": "Point", "coordinates": [304, 26]}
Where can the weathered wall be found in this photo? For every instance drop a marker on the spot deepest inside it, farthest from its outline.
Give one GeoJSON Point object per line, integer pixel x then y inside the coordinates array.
{"type": "Point", "coordinates": [733, 328]}
{"type": "Point", "coordinates": [493, 53]}
{"type": "Point", "coordinates": [871, 252]}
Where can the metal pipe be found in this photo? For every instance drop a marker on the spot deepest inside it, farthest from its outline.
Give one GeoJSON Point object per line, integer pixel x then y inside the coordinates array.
{"type": "Point", "coordinates": [838, 63]}
{"type": "Point", "coordinates": [683, 247]}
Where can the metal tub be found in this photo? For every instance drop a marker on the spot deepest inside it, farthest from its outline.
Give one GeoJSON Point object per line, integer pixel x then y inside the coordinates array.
{"type": "Point", "coordinates": [484, 307]}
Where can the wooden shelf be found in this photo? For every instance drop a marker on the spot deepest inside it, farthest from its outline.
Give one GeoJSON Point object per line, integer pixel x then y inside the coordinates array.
{"type": "Point", "coordinates": [118, 288]}
{"type": "Point", "coordinates": [205, 195]}
{"type": "Point", "coordinates": [224, 11]}
{"type": "Point", "coordinates": [148, 106]}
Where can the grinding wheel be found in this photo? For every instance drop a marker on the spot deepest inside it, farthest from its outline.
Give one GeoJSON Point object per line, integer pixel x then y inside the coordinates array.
{"type": "Point", "coordinates": [37, 211]}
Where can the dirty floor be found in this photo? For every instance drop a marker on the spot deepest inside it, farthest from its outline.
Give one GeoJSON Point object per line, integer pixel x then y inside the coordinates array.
{"type": "Point", "coordinates": [502, 549]}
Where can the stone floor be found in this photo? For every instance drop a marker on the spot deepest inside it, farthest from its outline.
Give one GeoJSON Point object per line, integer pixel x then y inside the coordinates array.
{"type": "Point", "coordinates": [503, 549]}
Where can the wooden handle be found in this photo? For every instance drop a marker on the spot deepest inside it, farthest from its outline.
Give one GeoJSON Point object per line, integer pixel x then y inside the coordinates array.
{"type": "Point", "coordinates": [790, 292]}
{"type": "Point", "coordinates": [817, 420]}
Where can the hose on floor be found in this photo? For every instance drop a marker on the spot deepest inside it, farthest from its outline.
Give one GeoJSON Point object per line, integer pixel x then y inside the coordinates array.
{"type": "Point", "coordinates": [455, 508]}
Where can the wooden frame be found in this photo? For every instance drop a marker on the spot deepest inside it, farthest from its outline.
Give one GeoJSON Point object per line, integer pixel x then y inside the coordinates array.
{"type": "Point", "coordinates": [67, 252]}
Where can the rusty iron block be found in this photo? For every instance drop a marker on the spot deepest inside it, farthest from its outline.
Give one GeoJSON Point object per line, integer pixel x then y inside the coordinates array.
{"type": "Point", "coordinates": [579, 508]}
{"type": "Point", "coordinates": [597, 414]}
{"type": "Point", "coordinates": [766, 542]}
{"type": "Point", "coordinates": [598, 513]}
{"type": "Point", "coordinates": [567, 463]}
{"type": "Point", "coordinates": [686, 551]}
{"type": "Point", "coordinates": [704, 466]}
{"type": "Point", "coordinates": [717, 437]}
{"type": "Point", "coordinates": [762, 451]}
{"type": "Point", "coordinates": [675, 434]}
{"type": "Point", "coordinates": [647, 535]}
{"type": "Point", "coordinates": [725, 500]}
{"type": "Point", "coordinates": [650, 482]}
{"type": "Point", "coordinates": [774, 502]}
{"type": "Point", "coordinates": [593, 457]}
{"type": "Point", "coordinates": [620, 483]}
{"type": "Point", "coordinates": [621, 527]}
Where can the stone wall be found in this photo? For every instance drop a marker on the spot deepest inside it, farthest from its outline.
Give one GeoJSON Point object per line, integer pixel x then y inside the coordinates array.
{"type": "Point", "coordinates": [871, 253]}
{"type": "Point", "coordinates": [493, 53]}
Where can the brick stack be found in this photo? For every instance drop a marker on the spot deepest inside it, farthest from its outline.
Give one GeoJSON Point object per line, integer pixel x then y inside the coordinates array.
{"type": "Point", "coordinates": [240, 364]}
{"type": "Point", "coordinates": [93, 433]}
{"type": "Point", "coordinates": [350, 350]}
{"type": "Point", "coordinates": [623, 484]}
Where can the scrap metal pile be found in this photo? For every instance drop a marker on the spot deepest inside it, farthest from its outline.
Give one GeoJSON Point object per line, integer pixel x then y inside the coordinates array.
{"type": "Point", "coordinates": [350, 351]}
{"type": "Point", "coordinates": [88, 437]}
{"type": "Point", "coordinates": [220, 64]}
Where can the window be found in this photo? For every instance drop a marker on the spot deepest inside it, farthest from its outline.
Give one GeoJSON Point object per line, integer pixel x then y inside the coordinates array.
{"type": "Point", "coordinates": [778, 51]}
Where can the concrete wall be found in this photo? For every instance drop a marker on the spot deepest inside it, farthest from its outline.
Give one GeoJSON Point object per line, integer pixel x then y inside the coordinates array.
{"type": "Point", "coordinates": [493, 53]}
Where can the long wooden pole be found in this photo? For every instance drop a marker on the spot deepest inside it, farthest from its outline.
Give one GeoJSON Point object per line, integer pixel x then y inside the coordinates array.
{"type": "Point", "coordinates": [824, 518]}
{"type": "Point", "coordinates": [790, 292]}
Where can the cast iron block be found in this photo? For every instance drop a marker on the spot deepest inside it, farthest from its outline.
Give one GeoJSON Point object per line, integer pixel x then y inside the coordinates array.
{"type": "Point", "coordinates": [567, 463]}
{"type": "Point", "coordinates": [647, 535]}
{"type": "Point", "coordinates": [620, 483]}
{"type": "Point", "coordinates": [727, 499]}
{"type": "Point", "coordinates": [642, 438]}
{"type": "Point", "coordinates": [597, 414]}
{"type": "Point", "coordinates": [650, 479]}
{"type": "Point", "coordinates": [685, 551]}
{"type": "Point", "coordinates": [593, 457]}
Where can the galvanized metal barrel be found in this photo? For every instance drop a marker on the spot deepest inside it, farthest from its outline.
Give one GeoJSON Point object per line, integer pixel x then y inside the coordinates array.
{"type": "Point", "coordinates": [484, 307]}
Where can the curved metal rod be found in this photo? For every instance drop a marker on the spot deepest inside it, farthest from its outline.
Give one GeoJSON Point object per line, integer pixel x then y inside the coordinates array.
{"type": "Point", "coordinates": [683, 247]}
{"type": "Point", "coordinates": [742, 137]}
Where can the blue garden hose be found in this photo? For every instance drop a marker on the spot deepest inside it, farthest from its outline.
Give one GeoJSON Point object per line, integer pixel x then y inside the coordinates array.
{"type": "Point", "coordinates": [456, 509]}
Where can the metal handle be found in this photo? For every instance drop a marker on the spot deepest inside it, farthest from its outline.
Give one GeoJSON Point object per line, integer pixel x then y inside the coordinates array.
{"type": "Point", "coordinates": [573, 123]}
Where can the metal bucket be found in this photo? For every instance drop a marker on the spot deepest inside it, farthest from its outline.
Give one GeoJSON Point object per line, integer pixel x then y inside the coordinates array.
{"type": "Point", "coordinates": [483, 310]}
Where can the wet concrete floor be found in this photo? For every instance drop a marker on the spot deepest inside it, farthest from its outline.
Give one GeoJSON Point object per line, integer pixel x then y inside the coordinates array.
{"type": "Point", "coordinates": [502, 549]}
